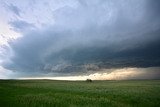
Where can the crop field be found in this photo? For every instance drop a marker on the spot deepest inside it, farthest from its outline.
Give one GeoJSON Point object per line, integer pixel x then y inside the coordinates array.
{"type": "Point", "coordinates": [52, 93]}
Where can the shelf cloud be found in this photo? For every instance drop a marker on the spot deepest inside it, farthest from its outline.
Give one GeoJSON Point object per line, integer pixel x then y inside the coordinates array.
{"type": "Point", "coordinates": [86, 37]}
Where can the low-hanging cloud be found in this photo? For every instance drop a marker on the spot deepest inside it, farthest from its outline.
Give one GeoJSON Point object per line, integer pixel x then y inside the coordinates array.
{"type": "Point", "coordinates": [90, 37]}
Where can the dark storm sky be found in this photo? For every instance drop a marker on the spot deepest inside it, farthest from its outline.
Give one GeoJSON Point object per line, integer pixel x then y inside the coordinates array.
{"type": "Point", "coordinates": [77, 37]}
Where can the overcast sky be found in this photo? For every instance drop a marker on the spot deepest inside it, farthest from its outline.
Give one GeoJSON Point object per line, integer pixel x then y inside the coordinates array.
{"type": "Point", "coordinates": [99, 39]}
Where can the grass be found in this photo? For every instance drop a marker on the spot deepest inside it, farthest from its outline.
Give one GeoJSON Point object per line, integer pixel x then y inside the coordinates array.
{"type": "Point", "coordinates": [49, 93]}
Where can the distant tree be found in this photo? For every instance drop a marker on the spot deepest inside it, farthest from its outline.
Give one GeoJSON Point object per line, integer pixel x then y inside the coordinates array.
{"type": "Point", "coordinates": [88, 80]}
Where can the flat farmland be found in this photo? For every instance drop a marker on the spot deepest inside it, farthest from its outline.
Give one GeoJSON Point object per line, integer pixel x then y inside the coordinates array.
{"type": "Point", "coordinates": [52, 93]}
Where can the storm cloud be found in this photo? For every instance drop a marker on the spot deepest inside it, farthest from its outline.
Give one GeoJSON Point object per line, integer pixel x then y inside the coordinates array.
{"type": "Point", "coordinates": [14, 9]}
{"type": "Point", "coordinates": [93, 35]}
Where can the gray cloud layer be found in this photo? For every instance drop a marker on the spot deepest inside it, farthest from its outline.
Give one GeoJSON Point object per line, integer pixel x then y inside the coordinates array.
{"type": "Point", "coordinates": [14, 9]}
{"type": "Point", "coordinates": [21, 26]}
{"type": "Point", "coordinates": [92, 36]}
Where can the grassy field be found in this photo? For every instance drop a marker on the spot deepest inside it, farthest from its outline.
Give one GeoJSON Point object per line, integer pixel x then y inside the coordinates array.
{"type": "Point", "coordinates": [48, 93]}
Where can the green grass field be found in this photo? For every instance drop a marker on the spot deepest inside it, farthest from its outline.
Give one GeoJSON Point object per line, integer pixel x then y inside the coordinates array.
{"type": "Point", "coordinates": [48, 93]}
